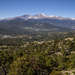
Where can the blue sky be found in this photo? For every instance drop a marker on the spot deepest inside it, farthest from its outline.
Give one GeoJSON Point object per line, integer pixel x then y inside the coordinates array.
{"type": "Point", "coordinates": [11, 8]}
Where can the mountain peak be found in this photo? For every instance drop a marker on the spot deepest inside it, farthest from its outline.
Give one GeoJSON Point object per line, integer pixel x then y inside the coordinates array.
{"type": "Point", "coordinates": [38, 16]}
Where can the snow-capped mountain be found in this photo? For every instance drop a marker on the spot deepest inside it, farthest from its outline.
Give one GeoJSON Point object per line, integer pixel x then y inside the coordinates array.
{"type": "Point", "coordinates": [43, 16]}
{"type": "Point", "coordinates": [36, 23]}
{"type": "Point", "coordinates": [38, 16]}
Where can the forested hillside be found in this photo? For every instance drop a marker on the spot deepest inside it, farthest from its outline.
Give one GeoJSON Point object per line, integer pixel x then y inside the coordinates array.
{"type": "Point", "coordinates": [52, 57]}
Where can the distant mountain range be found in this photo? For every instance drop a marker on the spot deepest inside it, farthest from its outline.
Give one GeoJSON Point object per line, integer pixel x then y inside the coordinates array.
{"type": "Point", "coordinates": [36, 23]}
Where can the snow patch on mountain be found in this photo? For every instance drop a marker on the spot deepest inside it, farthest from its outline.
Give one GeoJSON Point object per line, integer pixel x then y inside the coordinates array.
{"type": "Point", "coordinates": [38, 16]}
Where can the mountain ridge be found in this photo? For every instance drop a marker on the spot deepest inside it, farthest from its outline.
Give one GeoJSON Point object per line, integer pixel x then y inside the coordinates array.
{"type": "Point", "coordinates": [27, 24]}
{"type": "Point", "coordinates": [38, 16]}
